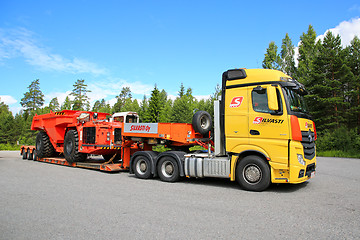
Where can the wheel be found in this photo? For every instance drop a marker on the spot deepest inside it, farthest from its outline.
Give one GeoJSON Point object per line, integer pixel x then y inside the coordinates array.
{"type": "Point", "coordinates": [253, 173]}
{"type": "Point", "coordinates": [34, 155]}
{"type": "Point", "coordinates": [168, 169]}
{"type": "Point", "coordinates": [44, 148]}
{"type": "Point", "coordinates": [71, 147]}
{"type": "Point", "coordinates": [24, 154]}
{"type": "Point", "coordinates": [30, 155]}
{"type": "Point", "coordinates": [202, 122]}
{"type": "Point", "coordinates": [142, 167]}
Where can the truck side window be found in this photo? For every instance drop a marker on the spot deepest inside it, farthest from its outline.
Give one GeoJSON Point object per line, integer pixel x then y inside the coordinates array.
{"type": "Point", "coordinates": [260, 101]}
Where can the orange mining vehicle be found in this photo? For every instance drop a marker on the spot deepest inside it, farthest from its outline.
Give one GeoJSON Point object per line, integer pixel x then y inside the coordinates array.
{"type": "Point", "coordinates": [120, 139]}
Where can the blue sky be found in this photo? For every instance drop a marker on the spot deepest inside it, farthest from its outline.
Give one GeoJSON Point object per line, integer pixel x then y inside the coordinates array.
{"type": "Point", "coordinates": [112, 44]}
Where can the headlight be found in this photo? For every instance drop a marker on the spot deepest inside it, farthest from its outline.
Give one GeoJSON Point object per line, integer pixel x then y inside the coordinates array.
{"type": "Point", "coordinates": [301, 159]}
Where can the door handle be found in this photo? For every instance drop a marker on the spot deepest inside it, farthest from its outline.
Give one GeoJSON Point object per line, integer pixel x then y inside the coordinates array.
{"type": "Point", "coordinates": [254, 132]}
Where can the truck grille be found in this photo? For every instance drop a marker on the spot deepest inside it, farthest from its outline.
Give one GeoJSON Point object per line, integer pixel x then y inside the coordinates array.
{"type": "Point", "coordinates": [89, 135]}
{"type": "Point", "coordinates": [308, 142]}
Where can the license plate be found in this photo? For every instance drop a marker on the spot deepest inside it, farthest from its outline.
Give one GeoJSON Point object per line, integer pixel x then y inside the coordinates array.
{"type": "Point", "coordinates": [312, 174]}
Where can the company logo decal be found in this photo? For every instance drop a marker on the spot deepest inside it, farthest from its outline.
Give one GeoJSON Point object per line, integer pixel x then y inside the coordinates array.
{"type": "Point", "coordinates": [236, 102]}
{"type": "Point", "coordinates": [258, 120]}
{"type": "Point", "coordinates": [142, 128]}
{"type": "Point", "coordinates": [308, 125]}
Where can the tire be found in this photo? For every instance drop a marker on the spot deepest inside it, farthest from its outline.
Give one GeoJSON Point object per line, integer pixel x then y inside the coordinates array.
{"type": "Point", "coordinates": [30, 155]}
{"type": "Point", "coordinates": [44, 148]}
{"type": "Point", "coordinates": [168, 169]}
{"type": "Point", "coordinates": [71, 147]}
{"type": "Point", "coordinates": [253, 173]}
{"type": "Point", "coordinates": [142, 167]}
{"type": "Point", "coordinates": [24, 154]}
{"type": "Point", "coordinates": [202, 122]}
{"type": "Point", "coordinates": [34, 155]}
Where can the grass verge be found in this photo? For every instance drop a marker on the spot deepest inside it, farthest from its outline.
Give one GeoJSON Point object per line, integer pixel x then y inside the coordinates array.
{"type": "Point", "coordinates": [338, 153]}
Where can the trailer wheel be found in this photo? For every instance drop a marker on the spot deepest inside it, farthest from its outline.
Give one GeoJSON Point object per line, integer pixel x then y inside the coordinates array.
{"type": "Point", "coordinates": [253, 173]}
{"type": "Point", "coordinates": [142, 167]}
{"type": "Point", "coordinates": [202, 122]}
{"type": "Point", "coordinates": [71, 147]}
{"type": "Point", "coordinates": [24, 155]}
{"type": "Point", "coordinates": [44, 147]}
{"type": "Point", "coordinates": [30, 155]}
{"type": "Point", "coordinates": [34, 155]}
{"type": "Point", "coordinates": [168, 169]}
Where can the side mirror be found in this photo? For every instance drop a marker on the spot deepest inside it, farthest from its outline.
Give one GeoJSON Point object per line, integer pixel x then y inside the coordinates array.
{"type": "Point", "coordinates": [272, 98]}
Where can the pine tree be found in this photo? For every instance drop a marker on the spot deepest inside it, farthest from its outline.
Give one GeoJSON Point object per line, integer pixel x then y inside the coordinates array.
{"type": "Point", "coordinates": [54, 104]}
{"type": "Point", "coordinates": [307, 53]}
{"type": "Point", "coordinates": [183, 108]}
{"type": "Point", "coordinates": [353, 61]}
{"type": "Point", "coordinates": [327, 81]}
{"type": "Point", "coordinates": [4, 108]}
{"type": "Point", "coordinates": [81, 100]}
{"type": "Point", "coordinates": [287, 56]}
{"type": "Point", "coordinates": [66, 104]}
{"type": "Point", "coordinates": [105, 107]}
{"type": "Point", "coordinates": [144, 105]}
{"type": "Point", "coordinates": [121, 99]}
{"type": "Point", "coordinates": [166, 104]}
{"type": "Point", "coordinates": [7, 125]}
{"type": "Point", "coordinates": [182, 90]}
{"type": "Point", "coordinates": [96, 106]}
{"type": "Point", "coordinates": [272, 59]}
{"type": "Point", "coordinates": [155, 106]}
{"type": "Point", "coordinates": [34, 98]}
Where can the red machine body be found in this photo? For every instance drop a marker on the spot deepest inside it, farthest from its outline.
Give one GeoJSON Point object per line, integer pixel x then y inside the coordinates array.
{"type": "Point", "coordinates": [99, 134]}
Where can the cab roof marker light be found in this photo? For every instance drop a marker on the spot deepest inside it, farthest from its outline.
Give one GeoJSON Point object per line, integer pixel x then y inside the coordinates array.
{"type": "Point", "coordinates": [295, 128]}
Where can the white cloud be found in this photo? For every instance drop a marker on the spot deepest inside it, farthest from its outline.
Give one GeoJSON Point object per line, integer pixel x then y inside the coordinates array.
{"type": "Point", "coordinates": [202, 97]}
{"type": "Point", "coordinates": [21, 43]}
{"type": "Point", "coordinates": [107, 89]}
{"type": "Point", "coordinates": [60, 96]}
{"type": "Point", "coordinates": [346, 29]}
{"type": "Point", "coordinates": [7, 99]}
{"type": "Point", "coordinates": [112, 87]}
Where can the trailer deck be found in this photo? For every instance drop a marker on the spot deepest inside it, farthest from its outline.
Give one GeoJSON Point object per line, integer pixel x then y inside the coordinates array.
{"type": "Point", "coordinates": [28, 152]}
{"type": "Point", "coordinates": [91, 164]}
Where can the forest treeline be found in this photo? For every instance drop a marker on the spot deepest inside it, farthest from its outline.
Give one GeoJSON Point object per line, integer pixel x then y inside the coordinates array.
{"type": "Point", "coordinates": [329, 71]}
{"type": "Point", "coordinates": [331, 75]}
{"type": "Point", "coordinates": [157, 108]}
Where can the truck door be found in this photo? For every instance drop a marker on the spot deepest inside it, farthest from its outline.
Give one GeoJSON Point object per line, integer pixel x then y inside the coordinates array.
{"type": "Point", "coordinates": [269, 129]}
{"type": "Point", "coordinates": [236, 117]}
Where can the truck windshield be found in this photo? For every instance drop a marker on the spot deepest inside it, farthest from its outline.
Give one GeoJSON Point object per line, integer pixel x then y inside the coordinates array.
{"type": "Point", "coordinates": [296, 101]}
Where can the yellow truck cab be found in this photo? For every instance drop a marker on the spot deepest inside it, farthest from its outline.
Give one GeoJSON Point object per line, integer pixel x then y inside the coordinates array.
{"type": "Point", "coordinates": [264, 121]}
{"type": "Point", "coordinates": [263, 132]}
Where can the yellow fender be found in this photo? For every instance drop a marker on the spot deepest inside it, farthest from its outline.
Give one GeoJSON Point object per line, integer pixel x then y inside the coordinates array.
{"type": "Point", "coordinates": [239, 150]}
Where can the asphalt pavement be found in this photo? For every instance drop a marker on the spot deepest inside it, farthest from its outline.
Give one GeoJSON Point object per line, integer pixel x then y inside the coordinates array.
{"type": "Point", "coordinates": [46, 201]}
